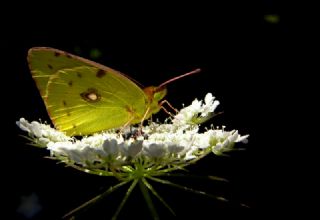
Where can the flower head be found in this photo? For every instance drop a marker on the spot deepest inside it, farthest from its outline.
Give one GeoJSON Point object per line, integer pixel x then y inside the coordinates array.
{"type": "Point", "coordinates": [176, 143]}
{"type": "Point", "coordinates": [140, 154]}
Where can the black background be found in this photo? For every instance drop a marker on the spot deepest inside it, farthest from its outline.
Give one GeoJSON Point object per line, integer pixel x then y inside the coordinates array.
{"type": "Point", "coordinates": [244, 62]}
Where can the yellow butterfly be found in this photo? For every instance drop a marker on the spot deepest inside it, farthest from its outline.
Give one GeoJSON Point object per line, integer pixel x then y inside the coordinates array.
{"type": "Point", "coordinates": [83, 97]}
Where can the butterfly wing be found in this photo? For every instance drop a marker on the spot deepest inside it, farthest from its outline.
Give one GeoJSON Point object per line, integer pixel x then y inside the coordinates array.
{"type": "Point", "coordinates": [44, 62]}
{"type": "Point", "coordinates": [83, 97]}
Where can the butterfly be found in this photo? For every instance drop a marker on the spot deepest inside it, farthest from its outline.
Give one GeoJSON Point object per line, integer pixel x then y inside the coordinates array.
{"type": "Point", "coordinates": [83, 97]}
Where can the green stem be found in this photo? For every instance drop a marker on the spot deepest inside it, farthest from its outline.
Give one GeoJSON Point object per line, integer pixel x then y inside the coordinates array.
{"type": "Point", "coordinates": [129, 191]}
{"type": "Point", "coordinates": [94, 200]}
{"type": "Point", "coordinates": [187, 188]}
{"type": "Point", "coordinates": [150, 187]}
{"type": "Point", "coordinates": [213, 178]}
{"type": "Point", "coordinates": [148, 199]}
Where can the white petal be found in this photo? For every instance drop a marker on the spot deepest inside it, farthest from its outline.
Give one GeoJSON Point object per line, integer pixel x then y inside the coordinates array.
{"type": "Point", "coordinates": [154, 150]}
{"type": "Point", "coordinates": [111, 147]}
{"type": "Point", "coordinates": [131, 149]}
{"type": "Point", "coordinates": [23, 124]}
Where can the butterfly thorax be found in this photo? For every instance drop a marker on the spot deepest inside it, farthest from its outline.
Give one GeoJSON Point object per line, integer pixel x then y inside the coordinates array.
{"type": "Point", "coordinates": [154, 95]}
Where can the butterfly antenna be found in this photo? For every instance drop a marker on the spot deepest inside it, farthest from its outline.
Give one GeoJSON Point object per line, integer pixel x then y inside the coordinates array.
{"type": "Point", "coordinates": [178, 77]}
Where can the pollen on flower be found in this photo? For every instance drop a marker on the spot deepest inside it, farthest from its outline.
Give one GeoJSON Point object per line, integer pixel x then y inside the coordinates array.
{"type": "Point", "coordinates": [175, 143]}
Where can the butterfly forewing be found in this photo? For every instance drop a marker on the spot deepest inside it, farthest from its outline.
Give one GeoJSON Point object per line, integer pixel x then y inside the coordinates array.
{"type": "Point", "coordinates": [44, 62]}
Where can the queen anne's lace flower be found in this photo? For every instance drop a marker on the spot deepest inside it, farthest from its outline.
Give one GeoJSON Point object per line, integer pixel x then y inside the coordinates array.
{"type": "Point", "coordinates": [176, 143]}
{"type": "Point", "coordinates": [136, 155]}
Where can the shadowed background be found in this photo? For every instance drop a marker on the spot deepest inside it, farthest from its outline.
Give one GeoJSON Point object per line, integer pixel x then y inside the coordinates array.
{"type": "Point", "coordinates": [240, 49]}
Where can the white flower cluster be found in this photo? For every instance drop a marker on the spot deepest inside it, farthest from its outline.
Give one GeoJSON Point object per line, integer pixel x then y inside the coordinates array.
{"type": "Point", "coordinates": [176, 142]}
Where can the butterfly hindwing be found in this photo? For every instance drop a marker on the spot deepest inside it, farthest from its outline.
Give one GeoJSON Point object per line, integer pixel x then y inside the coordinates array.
{"type": "Point", "coordinates": [84, 100]}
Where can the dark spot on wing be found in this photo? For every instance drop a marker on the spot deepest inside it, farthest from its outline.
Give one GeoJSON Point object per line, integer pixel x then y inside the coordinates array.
{"type": "Point", "coordinates": [50, 67]}
{"type": "Point", "coordinates": [91, 95]}
{"type": "Point", "coordinates": [64, 103]}
{"type": "Point", "coordinates": [68, 114]}
{"type": "Point", "coordinates": [74, 126]}
{"type": "Point", "coordinates": [101, 73]}
{"type": "Point", "coordinates": [70, 83]}
{"type": "Point", "coordinates": [79, 75]}
{"type": "Point", "coordinates": [56, 54]}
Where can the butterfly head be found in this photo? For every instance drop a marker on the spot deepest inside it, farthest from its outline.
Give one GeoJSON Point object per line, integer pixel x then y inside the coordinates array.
{"type": "Point", "coordinates": [155, 94]}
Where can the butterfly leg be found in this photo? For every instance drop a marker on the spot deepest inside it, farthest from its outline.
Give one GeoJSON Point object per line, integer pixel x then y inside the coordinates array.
{"type": "Point", "coordinates": [126, 125]}
{"type": "Point", "coordinates": [164, 109]}
{"type": "Point", "coordinates": [141, 123]}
